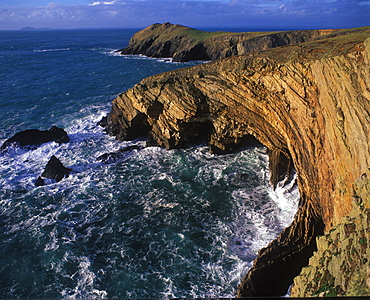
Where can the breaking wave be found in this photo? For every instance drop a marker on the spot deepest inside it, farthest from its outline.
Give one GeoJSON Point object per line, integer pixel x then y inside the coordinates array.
{"type": "Point", "coordinates": [153, 222]}
{"type": "Point", "coordinates": [187, 221]}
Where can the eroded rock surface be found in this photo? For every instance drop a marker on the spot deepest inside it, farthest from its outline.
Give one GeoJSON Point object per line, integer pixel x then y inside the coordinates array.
{"type": "Point", "coordinates": [309, 104]}
{"type": "Point", "coordinates": [341, 265]}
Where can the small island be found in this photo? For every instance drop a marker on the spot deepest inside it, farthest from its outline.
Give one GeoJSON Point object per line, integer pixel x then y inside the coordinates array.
{"type": "Point", "coordinates": [33, 28]}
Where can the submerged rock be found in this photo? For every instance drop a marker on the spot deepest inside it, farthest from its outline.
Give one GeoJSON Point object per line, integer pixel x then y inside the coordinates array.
{"type": "Point", "coordinates": [54, 170]}
{"type": "Point", "coordinates": [32, 138]}
{"type": "Point", "coordinates": [121, 153]}
{"type": "Point", "coordinates": [40, 181]}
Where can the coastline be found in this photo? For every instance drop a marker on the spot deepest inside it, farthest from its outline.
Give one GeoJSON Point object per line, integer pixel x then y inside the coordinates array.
{"type": "Point", "coordinates": [291, 108]}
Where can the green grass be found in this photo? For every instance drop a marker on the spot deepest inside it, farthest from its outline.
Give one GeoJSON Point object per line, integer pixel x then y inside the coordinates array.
{"type": "Point", "coordinates": [363, 241]}
{"type": "Point", "coordinates": [193, 35]}
{"type": "Point", "coordinates": [201, 36]}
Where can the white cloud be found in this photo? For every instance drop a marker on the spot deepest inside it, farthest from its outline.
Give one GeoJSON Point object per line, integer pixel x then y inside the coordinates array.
{"type": "Point", "coordinates": [194, 13]}
{"type": "Point", "coordinates": [103, 3]}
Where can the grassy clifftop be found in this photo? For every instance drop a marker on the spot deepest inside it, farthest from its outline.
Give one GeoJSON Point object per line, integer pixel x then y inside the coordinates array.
{"type": "Point", "coordinates": [183, 43]}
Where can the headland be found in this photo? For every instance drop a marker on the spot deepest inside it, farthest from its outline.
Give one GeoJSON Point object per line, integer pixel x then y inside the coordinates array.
{"type": "Point", "coordinates": [308, 102]}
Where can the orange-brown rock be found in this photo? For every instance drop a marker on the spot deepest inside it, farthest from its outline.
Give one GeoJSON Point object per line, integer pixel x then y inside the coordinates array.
{"type": "Point", "coordinates": [309, 104]}
{"type": "Point", "coordinates": [341, 266]}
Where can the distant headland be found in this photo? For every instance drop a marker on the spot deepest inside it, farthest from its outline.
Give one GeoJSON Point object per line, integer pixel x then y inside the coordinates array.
{"type": "Point", "coordinates": [33, 28]}
{"type": "Point", "coordinates": [184, 44]}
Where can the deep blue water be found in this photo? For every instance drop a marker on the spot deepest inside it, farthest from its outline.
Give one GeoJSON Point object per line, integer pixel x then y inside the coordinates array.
{"type": "Point", "coordinates": [157, 223]}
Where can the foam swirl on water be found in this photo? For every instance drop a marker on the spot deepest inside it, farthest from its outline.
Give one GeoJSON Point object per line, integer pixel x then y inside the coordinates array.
{"type": "Point", "coordinates": [187, 221]}
{"type": "Point", "coordinates": [154, 223]}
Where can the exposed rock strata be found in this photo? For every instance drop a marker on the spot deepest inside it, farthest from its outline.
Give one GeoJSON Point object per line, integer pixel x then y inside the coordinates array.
{"type": "Point", "coordinates": [185, 44]}
{"type": "Point", "coordinates": [341, 265]}
{"type": "Point", "coordinates": [309, 104]}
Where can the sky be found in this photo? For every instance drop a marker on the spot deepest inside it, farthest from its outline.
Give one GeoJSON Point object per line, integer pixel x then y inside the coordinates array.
{"type": "Point", "coordinates": [252, 14]}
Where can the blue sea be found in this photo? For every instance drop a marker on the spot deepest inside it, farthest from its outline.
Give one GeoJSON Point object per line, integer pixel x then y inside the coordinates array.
{"type": "Point", "coordinates": [154, 224]}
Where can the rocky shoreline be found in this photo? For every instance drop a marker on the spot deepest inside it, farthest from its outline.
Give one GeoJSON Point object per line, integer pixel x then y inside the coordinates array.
{"type": "Point", "coordinates": [308, 103]}
{"type": "Point", "coordinates": [184, 44]}
{"type": "Point", "coordinates": [33, 138]}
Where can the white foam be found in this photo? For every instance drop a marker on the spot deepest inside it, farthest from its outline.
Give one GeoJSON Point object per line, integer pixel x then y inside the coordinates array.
{"type": "Point", "coordinates": [168, 60]}
{"type": "Point", "coordinates": [234, 241]}
{"type": "Point", "coordinates": [52, 50]}
{"type": "Point", "coordinates": [144, 57]}
{"type": "Point", "coordinates": [116, 52]}
{"type": "Point", "coordinates": [84, 279]}
{"type": "Point", "coordinates": [53, 244]}
{"type": "Point", "coordinates": [20, 167]}
{"type": "Point", "coordinates": [112, 52]}
{"type": "Point", "coordinates": [286, 196]}
{"type": "Point", "coordinates": [262, 213]}
{"type": "Point", "coordinates": [169, 291]}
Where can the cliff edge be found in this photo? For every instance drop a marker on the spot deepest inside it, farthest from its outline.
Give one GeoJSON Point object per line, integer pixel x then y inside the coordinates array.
{"type": "Point", "coordinates": [184, 44]}
{"type": "Point", "coordinates": [308, 103]}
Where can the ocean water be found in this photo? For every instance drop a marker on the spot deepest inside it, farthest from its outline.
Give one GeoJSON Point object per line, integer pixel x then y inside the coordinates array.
{"type": "Point", "coordinates": [155, 223]}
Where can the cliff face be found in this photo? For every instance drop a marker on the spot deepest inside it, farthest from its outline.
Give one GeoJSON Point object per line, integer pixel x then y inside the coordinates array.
{"type": "Point", "coordinates": [309, 104]}
{"type": "Point", "coordinates": [184, 43]}
{"type": "Point", "coordinates": [340, 267]}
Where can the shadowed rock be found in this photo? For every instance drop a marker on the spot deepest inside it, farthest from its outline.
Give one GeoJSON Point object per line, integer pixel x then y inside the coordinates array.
{"type": "Point", "coordinates": [40, 181]}
{"type": "Point", "coordinates": [54, 170]}
{"type": "Point", "coordinates": [32, 138]}
{"type": "Point", "coordinates": [121, 153]}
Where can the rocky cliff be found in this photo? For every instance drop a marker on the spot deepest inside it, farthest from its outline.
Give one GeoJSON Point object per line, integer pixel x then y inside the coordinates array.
{"type": "Point", "coordinates": [309, 104]}
{"type": "Point", "coordinates": [340, 266]}
{"type": "Point", "coordinates": [183, 43]}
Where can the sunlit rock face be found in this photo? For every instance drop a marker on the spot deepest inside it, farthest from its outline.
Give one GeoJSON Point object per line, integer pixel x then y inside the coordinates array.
{"type": "Point", "coordinates": [308, 104]}
{"type": "Point", "coordinates": [340, 267]}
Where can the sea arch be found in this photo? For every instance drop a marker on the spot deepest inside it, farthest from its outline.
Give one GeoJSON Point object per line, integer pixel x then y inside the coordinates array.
{"type": "Point", "coordinates": [310, 109]}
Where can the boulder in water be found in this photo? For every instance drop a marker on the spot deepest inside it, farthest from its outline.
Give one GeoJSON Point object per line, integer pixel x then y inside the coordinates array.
{"type": "Point", "coordinates": [32, 138]}
{"type": "Point", "coordinates": [40, 181]}
{"type": "Point", "coordinates": [54, 170]}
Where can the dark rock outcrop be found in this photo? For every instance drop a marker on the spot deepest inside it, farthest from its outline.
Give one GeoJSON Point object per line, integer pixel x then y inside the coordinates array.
{"type": "Point", "coordinates": [117, 155]}
{"type": "Point", "coordinates": [40, 181]}
{"type": "Point", "coordinates": [184, 44]}
{"type": "Point", "coordinates": [32, 138]}
{"type": "Point", "coordinates": [309, 104]}
{"type": "Point", "coordinates": [54, 170]}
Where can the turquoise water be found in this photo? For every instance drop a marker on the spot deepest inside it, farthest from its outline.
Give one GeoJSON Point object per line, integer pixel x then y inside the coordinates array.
{"type": "Point", "coordinates": [156, 223]}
